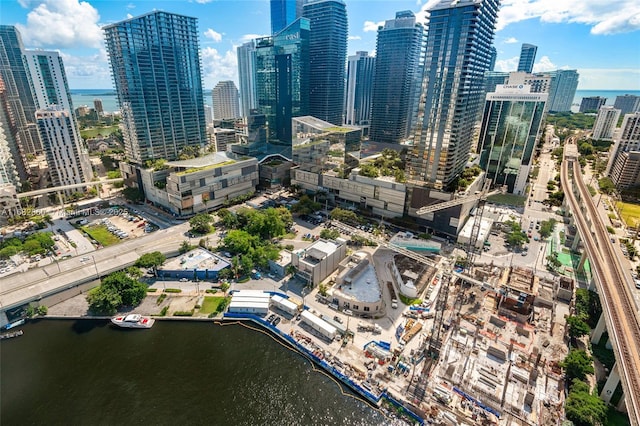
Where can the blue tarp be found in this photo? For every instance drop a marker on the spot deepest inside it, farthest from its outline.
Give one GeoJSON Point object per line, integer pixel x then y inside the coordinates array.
{"type": "Point", "coordinates": [475, 401]}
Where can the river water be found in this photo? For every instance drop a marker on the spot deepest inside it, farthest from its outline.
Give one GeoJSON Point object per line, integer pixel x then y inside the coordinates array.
{"type": "Point", "coordinates": [63, 372]}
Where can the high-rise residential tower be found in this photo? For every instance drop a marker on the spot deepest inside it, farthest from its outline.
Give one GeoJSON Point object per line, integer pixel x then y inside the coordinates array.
{"type": "Point", "coordinates": [12, 162]}
{"type": "Point", "coordinates": [48, 79]}
{"type": "Point", "coordinates": [156, 68]}
{"type": "Point", "coordinates": [396, 81]}
{"type": "Point", "coordinates": [627, 103]}
{"type": "Point", "coordinates": [247, 76]}
{"type": "Point", "coordinates": [18, 92]}
{"type": "Point", "coordinates": [284, 13]}
{"type": "Point", "coordinates": [592, 103]}
{"type": "Point", "coordinates": [562, 90]}
{"type": "Point", "coordinates": [624, 161]}
{"type": "Point", "coordinates": [458, 53]}
{"type": "Point", "coordinates": [510, 127]}
{"type": "Point", "coordinates": [327, 58]}
{"type": "Point", "coordinates": [225, 101]}
{"type": "Point", "coordinates": [360, 73]}
{"type": "Point", "coordinates": [527, 57]}
{"type": "Point", "coordinates": [67, 160]}
{"type": "Point", "coordinates": [494, 56]}
{"type": "Point", "coordinates": [606, 122]}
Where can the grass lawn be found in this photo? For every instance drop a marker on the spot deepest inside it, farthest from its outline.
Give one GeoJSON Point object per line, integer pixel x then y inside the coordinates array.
{"type": "Point", "coordinates": [615, 418]}
{"type": "Point", "coordinates": [508, 199]}
{"type": "Point", "coordinates": [92, 132]}
{"type": "Point", "coordinates": [210, 304]}
{"type": "Point", "coordinates": [409, 301]}
{"type": "Point", "coordinates": [630, 213]}
{"type": "Point", "coordinates": [101, 234]}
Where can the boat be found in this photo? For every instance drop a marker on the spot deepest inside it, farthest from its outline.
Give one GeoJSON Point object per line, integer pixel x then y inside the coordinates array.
{"type": "Point", "coordinates": [14, 324]}
{"type": "Point", "coordinates": [11, 334]}
{"type": "Point", "coordinates": [133, 321]}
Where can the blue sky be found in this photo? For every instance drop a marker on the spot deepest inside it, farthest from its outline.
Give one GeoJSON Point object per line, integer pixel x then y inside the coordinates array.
{"type": "Point", "coordinates": [600, 38]}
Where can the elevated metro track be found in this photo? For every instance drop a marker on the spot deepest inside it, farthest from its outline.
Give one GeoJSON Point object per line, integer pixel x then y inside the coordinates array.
{"type": "Point", "coordinates": [611, 281]}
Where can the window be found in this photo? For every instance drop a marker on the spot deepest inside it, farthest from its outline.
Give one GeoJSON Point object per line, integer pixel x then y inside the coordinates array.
{"type": "Point", "coordinates": [366, 309]}
{"type": "Point", "coordinates": [355, 307]}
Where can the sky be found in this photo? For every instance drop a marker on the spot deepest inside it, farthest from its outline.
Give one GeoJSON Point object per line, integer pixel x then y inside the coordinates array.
{"type": "Point", "coordinates": [599, 38]}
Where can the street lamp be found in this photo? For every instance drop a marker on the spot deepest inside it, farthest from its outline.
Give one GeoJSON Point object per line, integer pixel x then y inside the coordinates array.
{"type": "Point", "coordinates": [95, 266]}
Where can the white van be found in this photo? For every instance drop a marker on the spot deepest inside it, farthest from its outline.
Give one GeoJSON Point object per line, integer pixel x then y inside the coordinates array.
{"type": "Point", "coordinates": [394, 303]}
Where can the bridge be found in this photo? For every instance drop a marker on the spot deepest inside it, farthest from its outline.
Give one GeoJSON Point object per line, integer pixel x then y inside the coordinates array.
{"type": "Point", "coordinates": [612, 282]}
{"type": "Point", "coordinates": [66, 187]}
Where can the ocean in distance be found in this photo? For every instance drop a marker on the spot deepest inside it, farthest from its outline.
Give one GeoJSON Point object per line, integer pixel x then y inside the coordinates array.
{"type": "Point", "coordinates": [110, 104]}
{"type": "Point", "coordinates": [87, 372]}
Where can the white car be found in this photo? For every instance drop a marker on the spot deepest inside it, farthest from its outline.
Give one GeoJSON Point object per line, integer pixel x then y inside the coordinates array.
{"type": "Point", "coordinates": [183, 280]}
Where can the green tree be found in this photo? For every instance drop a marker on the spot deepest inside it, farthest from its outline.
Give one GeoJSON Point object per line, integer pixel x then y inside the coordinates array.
{"type": "Point", "coordinates": [322, 289]}
{"type": "Point", "coordinates": [584, 408]}
{"type": "Point", "coordinates": [246, 264]}
{"type": "Point", "coordinates": [577, 327]}
{"type": "Point", "coordinates": [9, 251]}
{"type": "Point", "coordinates": [546, 227]}
{"type": "Point", "coordinates": [238, 241]}
{"type": "Point", "coordinates": [577, 365]}
{"type": "Point", "coordinates": [224, 286]}
{"type": "Point", "coordinates": [134, 272]}
{"type": "Point", "coordinates": [201, 223]}
{"type": "Point", "coordinates": [228, 218]}
{"type": "Point", "coordinates": [133, 194]}
{"type": "Point", "coordinates": [104, 300]}
{"type": "Point", "coordinates": [346, 216]}
{"type": "Point", "coordinates": [330, 234]}
{"type": "Point", "coordinates": [588, 306]}
{"type": "Point", "coordinates": [151, 260]}
{"type": "Point", "coordinates": [185, 247]}
{"type": "Point", "coordinates": [517, 238]}
{"type": "Point", "coordinates": [606, 185]}
{"type": "Point", "coordinates": [553, 262]}
{"type": "Point", "coordinates": [305, 205]}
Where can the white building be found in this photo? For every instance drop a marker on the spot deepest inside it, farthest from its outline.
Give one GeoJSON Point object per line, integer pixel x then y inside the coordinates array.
{"type": "Point", "coordinates": [629, 139]}
{"type": "Point", "coordinates": [48, 79]}
{"type": "Point", "coordinates": [605, 123]}
{"type": "Point", "coordinates": [319, 260]}
{"type": "Point", "coordinates": [225, 101]}
{"type": "Point", "coordinates": [67, 159]}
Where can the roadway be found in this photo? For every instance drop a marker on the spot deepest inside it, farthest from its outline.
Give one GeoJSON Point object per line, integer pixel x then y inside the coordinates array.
{"type": "Point", "coordinates": [612, 282]}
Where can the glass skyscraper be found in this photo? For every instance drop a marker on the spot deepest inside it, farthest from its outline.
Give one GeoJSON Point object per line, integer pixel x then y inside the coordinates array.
{"type": "Point", "coordinates": [327, 57]}
{"type": "Point", "coordinates": [360, 73]}
{"type": "Point", "coordinates": [247, 76]}
{"type": "Point", "coordinates": [225, 101]}
{"type": "Point", "coordinates": [564, 84]}
{"type": "Point", "coordinates": [396, 81]}
{"type": "Point", "coordinates": [527, 57]}
{"type": "Point", "coordinates": [510, 126]}
{"type": "Point", "coordinates": [155, 63]}
{"type": "Point", "coordinates": [458, 53]}
{"type": "Point", "coordinates": [283, 13]}
{"type": "Point", "coordinates": [282, 78]}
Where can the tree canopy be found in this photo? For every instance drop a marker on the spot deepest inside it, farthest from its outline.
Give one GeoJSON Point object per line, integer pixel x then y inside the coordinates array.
{"type": "Point", "coordinates": [346, 216]}
{"type": "Point", "coordinates": [305, 205]}
{"type": "Point", "coordinates": [546, 227]}
{"type": "Point", "coordinates": [584, 408]}
{"type": "Point", "coordinates": [577, 365]}
{"type": "Point", "coordinates": [151, 260]}
{"type": "Point", "coordinates": [116, 290]}
{"type": "Point", "coordinates": [577, 327]}
{"type": "Point", "coordinates": [201, 223]}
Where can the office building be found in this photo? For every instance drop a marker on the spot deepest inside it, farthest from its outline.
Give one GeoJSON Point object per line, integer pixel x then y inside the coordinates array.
{"type": "Point", "coordinates": [252, 136]}
{"type": "Point", "coordinates": [562, 90]}
{"type": "Point", "coordinates": [396, 81]}
{"type": "Point", "coordinates": [284, 13]}
{"type": "Point", "coordinates": [18, 91]}
{"type": "Point", "coordinates": [208, 115]}
{"type": "Point", "coordinates": [360, 73]}
{"type": "Point", "coordinates": [282, 79]}
{"type": "Point", "coordinates": [11, 156]}
{"type": "Point", "coordinates": [538, 83]}
{"type": "Point", "coordinates": [627, 104]}
{"type": "Point", "coordinates": [247, 76]}
{"type": "Point", "coordinates": [327, 58]}
{"type": "Point", "coordinates": [625, 172]}
{"type": "Point", "coordinates": [97, 105]}
{"type": "Point", "coordinates": [627, 141]}
{"type": "Point", "coordinates": [605, 123]}
{"type": "Point", "coordinates": [156, 68]}
{"type": "Point", "coordinates": [68, 161]}
{"type": "Point", "coordinates": [527, 57]}
{"type": "Point", "coordinates": [225, 101]}
{"type": "Point", "coordinates": [592, 103]}
{"type": "Point", "coordinates": [492, 61]}
{"type": "Point", "coordinates": [510, 128]}
{"type": "Point", "coordinates": [458, 53]}
{"type": "Point", "coordinates": [319, 260]}
{"type": "Point", "coordinates": [493, 78]}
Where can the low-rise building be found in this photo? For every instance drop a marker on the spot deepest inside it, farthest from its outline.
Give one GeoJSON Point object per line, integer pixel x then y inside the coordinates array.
{"type": "Point", "coordinates": [279, 266]}
{"type": "Point", "coordinates": [319, 260]}
{"type": "Point", "coordinates": [357, 287]}
{"type": "Point", "coordinates": [198, 264]}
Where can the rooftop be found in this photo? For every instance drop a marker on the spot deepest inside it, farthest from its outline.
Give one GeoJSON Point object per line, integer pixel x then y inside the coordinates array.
{"type": "Point", "coordinates": [204, 162]}
{"type": "Point", "coordinates": [199, 259]}
{"type": "Point", "coordinates": [364, 287]}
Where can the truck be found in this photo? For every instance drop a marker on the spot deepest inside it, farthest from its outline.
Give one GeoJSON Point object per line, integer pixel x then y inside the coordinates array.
{"type": "Point", "coordinates": [375, 328]}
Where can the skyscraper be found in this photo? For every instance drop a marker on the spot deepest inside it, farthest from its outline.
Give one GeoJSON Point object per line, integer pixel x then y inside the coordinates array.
{"type": "Point", "coordinates": [360, 73]}
{"type": "Point", "coordinates": [12, 162]}
{"type": "Point", "coordinates": [592, 103]}
{"type": "Point", "coordinates": [155, 63]}
{"type": "Point", "coordinates": [48, 79]}
{"type": "Point", "coordinates": [510, 126]}
{"type": "Point", "coordinates": [225, 101]}
{"type": "Point", "coordinates": [396, 81]}
{"type": "Point", "coordinates": [562, 90]}
{"type": "Point", "coordinates": [282, 78]}
{"type": "Point", "coordinates": [624, 162]}
{"type": "Point", "coordinates": [18, 91]}
{"type": "Point", "coordinates": [606, 122]}
{"type": "Point", "coordinates": [97, 105]}
{"type": "Point", "coordinates": [527, 57]}
{"type": "Point", "coordinates": [283, 13]}
{"type": "Point", "coordinates": [627, 103]}
{"type": "Point", "coordinates": [327, 57]}
{"type": "Point", "coordinates": [247, 76]}
{"type": "Point", "coordinates": [458, 53]}
{"type": "Point", "coordinates": [494, 56]}
{"type": "Point", "coordinates": [68, 162]}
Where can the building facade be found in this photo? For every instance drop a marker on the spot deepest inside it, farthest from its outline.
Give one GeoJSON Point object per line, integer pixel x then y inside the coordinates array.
{"type": "Point", "coordinates": [562, 90]}
{"type": "Point", "coordinates": [48, 79]}
{"type": "Point", "coordinates": [629, 140]}
{"type": "Point", "coordinates": [458, 53]}
{"type": "Point", "coordinates": [315, 263]}
{"type": "Point", "coordinates": [625, 172]}
{"type": "Point", "coordinates": [14, 170]}
{"type": "Point", "coordinates": [18, 91]}
{"type": "Point", "coordinates": [68, 160]}
{"type": "Point", "coordinates": [627, 104]}
{"type": "Point", "coordinates": [226, 103]}
{"type": "Point", "coordinates": [396, 81]}
{"type": "Point", "coordinates": [527, 57]}
{"type": "Point", "coordinates": [606, 122]}
{"type": "Point", "coordinates": [327, 58]}
{"type": "Point", "coordinates": [247, 76]}
{"type": "Point", "coordinates": [360, 74]}
{"type": "Point", "coordinates": [510, 128]}
{"type": "Point", "coordinates": [592, 103]}
{"type": "Point", "coordinates": [284, 13]}
{"type": "Point", "coordinates": [156, 68]}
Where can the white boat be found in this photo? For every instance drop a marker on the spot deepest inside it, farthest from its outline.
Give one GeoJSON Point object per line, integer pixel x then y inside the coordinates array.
{"type": "Point", "coordinates": [133, 321]}
{"type": "Point", "coordinates": [14, 324]}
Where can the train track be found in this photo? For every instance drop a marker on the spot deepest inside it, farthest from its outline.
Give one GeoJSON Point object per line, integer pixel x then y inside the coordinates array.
{"type": "Point", "coordinates": [614, 289]}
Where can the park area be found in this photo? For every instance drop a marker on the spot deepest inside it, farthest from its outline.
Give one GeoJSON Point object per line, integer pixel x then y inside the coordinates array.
{"type": "Point", "coordinates": [630, 213]}
{"type": "Point", "coordinates": [212, 304]}
{"type": "Point", "coordinates": [101, 234]}
{"type": "Point", "coordinates": [93, 132]}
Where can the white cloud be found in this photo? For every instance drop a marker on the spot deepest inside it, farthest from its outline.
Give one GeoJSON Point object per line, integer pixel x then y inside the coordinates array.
{"type": "Point", "coordinates": [507, 65]}
{"type": "Point", "coordinates": [545, 64]}
{"type": "Point", "coordinates": [510, 40]}
{"type": "Point", "coordinates": [218, 67]}
{"type": "Point", "coordinates": [131, 6]}
{"type": "Point", "coordinates": [213, 35]}
{"type": "Point", "coordinates": [203, 1]}
{"type": "Point", "coordinates": [372, 26]}
{"type": "Point", "coordinates": [129, 16]}
{"type": "Point", "coordinates": [85, 71]}
{"type": "Point", "coordinates": [355, 38]}
{"type": "Point", "coordinates": [248, 37]}
{"type": "Point", "coordinates": [603, 17]}
{"type": "Point", "coordinates": [61, 23]}
{"type": "Point", "coordinates": [422, 16]}
{"type": "Point", "coordinates": [610, 79]}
